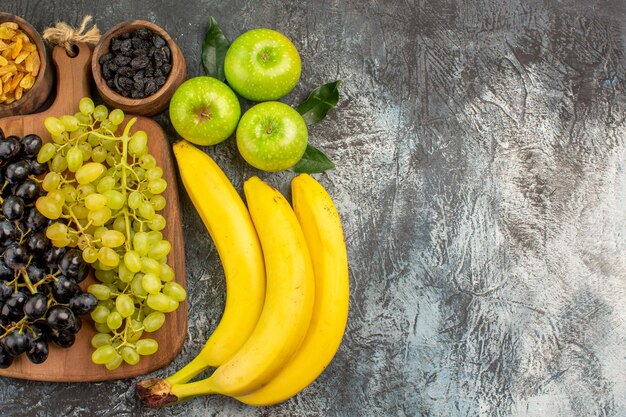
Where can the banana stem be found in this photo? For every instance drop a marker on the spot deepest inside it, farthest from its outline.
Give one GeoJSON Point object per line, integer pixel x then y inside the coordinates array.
{"type": "Point", "coordinates": [192, 389]}
{"type": "Point", "coordinates": [156, 393]}
{"type": "Point", "coordinates": [189, 371]}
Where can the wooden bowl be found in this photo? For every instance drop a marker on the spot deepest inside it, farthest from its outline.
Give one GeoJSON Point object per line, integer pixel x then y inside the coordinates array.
{"type": "Point", "coordinates": [34, 98]}
{"type": "Point", "coordinates": [158, 101]}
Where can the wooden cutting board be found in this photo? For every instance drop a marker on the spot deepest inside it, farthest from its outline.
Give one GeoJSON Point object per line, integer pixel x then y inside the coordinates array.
{"type": "Point", "coordinates": [74, 364]}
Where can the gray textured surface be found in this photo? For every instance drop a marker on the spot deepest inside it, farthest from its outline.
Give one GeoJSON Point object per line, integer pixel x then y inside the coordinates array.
{"type": "Point", "coordinates": [481, 181]}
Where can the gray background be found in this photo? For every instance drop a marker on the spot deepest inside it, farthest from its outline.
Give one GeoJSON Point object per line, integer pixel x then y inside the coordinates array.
{"type": "Point", "coordinates": [480, 177]}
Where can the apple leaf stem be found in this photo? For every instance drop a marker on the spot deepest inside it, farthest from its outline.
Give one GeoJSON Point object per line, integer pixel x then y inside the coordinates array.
{"type": "Point", "coordinates": [214, 50]}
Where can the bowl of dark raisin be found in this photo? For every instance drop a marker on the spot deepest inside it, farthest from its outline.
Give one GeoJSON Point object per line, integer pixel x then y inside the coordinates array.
{"type": "Point", "coordinates": [137, 66]}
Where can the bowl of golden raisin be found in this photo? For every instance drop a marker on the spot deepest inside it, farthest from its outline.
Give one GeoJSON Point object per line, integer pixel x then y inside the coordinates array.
{"type": "Point", "coordinates": [26, 78]}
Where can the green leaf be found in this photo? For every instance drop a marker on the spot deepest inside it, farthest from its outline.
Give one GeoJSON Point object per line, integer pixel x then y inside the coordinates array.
{"type": "Point", "coordinates": [214, 50]}
{"type": "Point", "coordinates": [319, 103]}
{"type": "Point", "coordinates": [313, 161]}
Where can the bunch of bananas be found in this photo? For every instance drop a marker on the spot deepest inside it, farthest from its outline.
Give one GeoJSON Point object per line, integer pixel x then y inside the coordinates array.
{"type": "Point", "coordinates": [287, 288]}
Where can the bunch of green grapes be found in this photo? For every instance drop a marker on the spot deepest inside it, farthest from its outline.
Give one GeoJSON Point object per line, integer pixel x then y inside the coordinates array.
{"type": "Point", "coordinates": [105, 190]}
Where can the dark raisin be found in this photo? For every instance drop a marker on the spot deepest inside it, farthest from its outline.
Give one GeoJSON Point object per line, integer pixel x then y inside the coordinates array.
{"type": "Point", "coordinates": [158, 41]}
{"type": "Point", "coordinates": [150, 88]}
{"type": "Point", "coordinates": [139, 85]}
{"type": "Point", "coordinates": [139, 62]}
{"type": "Point", "coordinates": [143, 33]}
{"type": "Point", "coordinates": [126, 47]}
{"type": "Point", "coordinates": [140, 52]}
{"type": "Point", "coordinates": [124, 35]}
{"type": "Point", "coordinates": [115, 44]}
{"type": "Point", "coordinates": [159, 81]}
{"type": "Point", "coordinates": [139, 43]}
{"type": "Point", "coordinates": [106, 72]}
{"type": "Point", "coordinates": [137, 94]}
{"type": "Point", "coordinates": [127, 72]}
{"type": "Point", "coordinates": [158, 73]}
{"type": "Point", "coordinates": [149, 72]}
{"type": "Point", "coordinates": [121, 60]}
{"type": "Point", "coordinates": [106, 57]}
{"type": "Point", "coordinates": [111, 83]}
{"type": "Point", "coordinates": [166, 68]}
{"type": "Point", "coordinates": [139, 75]}
{"type": "Point", "coordinates": [125, 83]}
{"type": "Point", "coordinates": [167, 53]}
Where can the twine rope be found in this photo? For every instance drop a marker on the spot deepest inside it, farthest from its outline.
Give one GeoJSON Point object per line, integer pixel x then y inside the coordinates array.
{"type": "Point", "coordinates": [66, 36]}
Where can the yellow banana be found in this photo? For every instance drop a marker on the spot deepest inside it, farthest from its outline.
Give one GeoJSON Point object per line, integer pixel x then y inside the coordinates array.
{"type": "Point", "coordinates": [286, 313]}
{"type": "Point", "coordinates": [322, 230]}
{"type": "Point", "coordinates": [228, 221]}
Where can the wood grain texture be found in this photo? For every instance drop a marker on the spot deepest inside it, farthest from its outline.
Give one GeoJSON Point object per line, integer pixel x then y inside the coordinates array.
{"type": "Point", "coordinates": [480, 179]}
{"type": "Point", "coordinates": [74, 364]}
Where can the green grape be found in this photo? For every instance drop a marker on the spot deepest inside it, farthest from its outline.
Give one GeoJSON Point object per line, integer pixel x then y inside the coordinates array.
{"type": "Point", "coordinates": [114, 320]}
{"type": "Point", "coordinates": [89, 172]}
{"type": "Point", "coordinates": [101, 266]}
{"type": "Point", "coordinates": [99, 231]}
{"type": "Point", "coordinates": [158, 202]}
{"type": "Point", "coordinates": [115, 199]}
{"type": "Point", "coordinates": [112, 239]}
{"type": "Point", "coordinates": [120, 224]}
{"type": "Point", "coordinates": [120, 285]}
{"type": "Point", "coordinates": [86, 106]}
{"type": "Point", "coordinates": [132, 260]}
{"type": "Point", "coordinates": [137, 287]}
{"type": "Point", "coordinates": [134, 200]}
{"type": "Point", "coordinates": [86, 150]}
{"type": "Point", "coordinates": [141, 173]}
{"type": "Point", "coordinates": [172, 306]}
{"type": "Point", "coordinates": [90, 255]}
{"type": "Point", "coordinates": [125, 274]}
{"type": "Point", "coordinates": [46, 153]}
{"type": "Point", "coordinates": [60, 139]}
{"type": "Point", "coordinates": [100, 339]}
{"type": "Point", "coordinates": [70, 123]}
{"type": "Point", "coordinates": [100, 216]}
{"type": "Point", "coordinates": [56, 231]}
{"type": "Point", "coordinates": [103, 354]}
{"type": "Point", "coordinates": [108, 127]}
{"type": "Point", "coordinates": [159, 302]}
{"type": "Point", "coordinates": [146, 346]}
{"type": "Point", "coordinates": [114, 363]}
{"type": "Point", "coordinates": [61, 243]}
{"type": "Point", "coordinates": [51, 181]}
{"type": "Point", "coordinates": [100, 291]}
{"type": "Point", "coordinates": [98, 154]}
{"type": "Point", "coordinates": [70, 193]}
{"type": "Point", "coordinates": [153, 321]}
{"type": "Point", "coordinates": [49, 208]}
{"type": "Point", "coordinates": [151, 283]}
{"type": "Point", "coordinates": [134, 330]}
{"type": "Point", "coordinates": [130, 355]}
{"type": "Point", "coordinates": [157, 223]}
{"type": "Point", "coordinates": [102, 327]}
{"type": "Point", "coordinates": [109, 145]}
{"type": "Point", "coordinates": [157, 186]}
{"type": "Point", "coordinates": [83, 119]}
{"type": "Point", "coordinates": [105, 276]}
{"type": "Point", "coordinates": [146, 210]}
{"type": "Point", "coordinates": [116, 116]}
{"type": "Point", "coordinates": [109, 304]}
{"type": "Point", "coordinates": [95, 201]}
{"type": "Point", "coordinates": [85, 189]}
{"type": "Point", "coordinates": [57, 196]}
{"type": "Point", "coordinates": [54, 125]}
{"type": "Point", "coordinates": [105, 184]}
{"type": "Point", "coordinates": [154, 173]}
{"type": "Point", "coordinates": [138, 144]}
{"type": "Point", "coordinates": [154, 237]}
{"type": "Point", "coordinates": [100, 314]}
{"type": "Point", "coordinates": [74, 159]}
{"type": "Point", "coordinates": [147, 161]}
{"type": "Point", "coordinates": [151, 266]}
{"type": "Point", "coordinates": [141, 243]}
{"type": "Point", "coordinates": [108, 257]}
{"type": "Point", "coordinates": [93, 140]}
{"type": "Point", "coordinates": [59, 163]}
{"type": "Point", "coordinates": [100, 113]}
{"type": "Point", "coordinates": [167, 273]}
{"type": "Point", "coordinates": [160, 250]}
{"type": "Point", "coordinates": [124, 305]}
{"type": "Point", "coordinates": [175, 291]}
{"type": "Point", "coordinates": [80, 212]}
{"type": "Point", "coordinates": [83, 241]}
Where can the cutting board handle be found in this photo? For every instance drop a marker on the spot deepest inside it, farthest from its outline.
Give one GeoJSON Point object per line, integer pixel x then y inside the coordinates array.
{"type": "Point", "coordinates": [73, 75]}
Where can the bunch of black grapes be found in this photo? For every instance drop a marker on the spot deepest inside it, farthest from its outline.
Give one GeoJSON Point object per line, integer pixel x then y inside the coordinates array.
{"type": "Point", "coordinates": [40, 300]}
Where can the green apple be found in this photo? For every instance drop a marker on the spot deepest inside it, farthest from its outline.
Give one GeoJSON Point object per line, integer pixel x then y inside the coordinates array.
{"type": "Point", "coordinates": [262, 65]}
{"type": "Point", "coordinates": [271, 136]}
{"type": "Point", "coordinates": [204, 111]}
